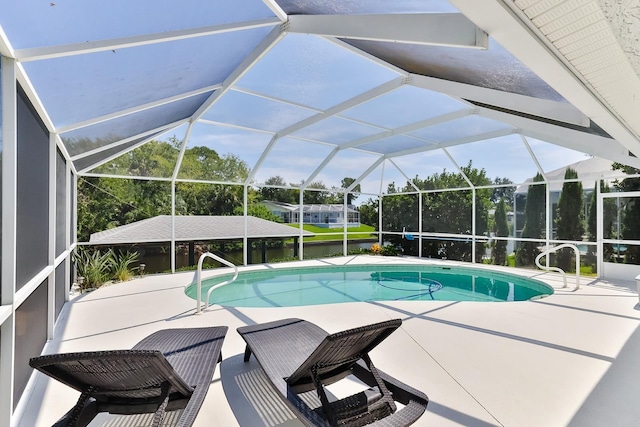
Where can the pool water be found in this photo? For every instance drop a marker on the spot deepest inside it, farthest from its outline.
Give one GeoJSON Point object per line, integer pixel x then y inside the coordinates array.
{"type": "Point", "coordinates": [287, 287]}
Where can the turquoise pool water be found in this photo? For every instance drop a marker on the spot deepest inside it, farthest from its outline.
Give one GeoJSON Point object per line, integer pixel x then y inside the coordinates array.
{"type": "Point", "coordinates": [287, 287]}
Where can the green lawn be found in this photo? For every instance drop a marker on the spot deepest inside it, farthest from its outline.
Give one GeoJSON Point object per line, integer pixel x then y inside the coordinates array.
{"type": "Point", "coordinates": [363, 232]}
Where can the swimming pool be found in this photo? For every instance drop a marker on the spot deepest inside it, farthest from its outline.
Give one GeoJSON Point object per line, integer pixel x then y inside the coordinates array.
{"type": "Point", "coordinates": [287, 287]}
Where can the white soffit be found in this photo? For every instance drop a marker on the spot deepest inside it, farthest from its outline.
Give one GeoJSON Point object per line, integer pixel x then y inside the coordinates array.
{"type": "Point", "coordinates": [573, 47]}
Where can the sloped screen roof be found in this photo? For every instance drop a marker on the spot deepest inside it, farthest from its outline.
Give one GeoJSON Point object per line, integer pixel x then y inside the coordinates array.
{"type": "Point", "coordinates": [348, 86]}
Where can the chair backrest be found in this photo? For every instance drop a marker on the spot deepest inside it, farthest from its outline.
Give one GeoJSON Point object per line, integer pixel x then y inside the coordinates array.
{"type": "Point", "coordinates": [116, 373]}
{"type": "Point", "coordinates": [338, 352]}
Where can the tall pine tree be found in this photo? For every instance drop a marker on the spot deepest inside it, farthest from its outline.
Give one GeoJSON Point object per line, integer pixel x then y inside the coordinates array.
{"type": "Point", "coordinates": [501, 229]}
{"type": "Point", "coordinates": [630, 213]}
{"type": "Point", "coordinates": [569, 217]}
{"type": "Point", "coordinates": [534, 222]}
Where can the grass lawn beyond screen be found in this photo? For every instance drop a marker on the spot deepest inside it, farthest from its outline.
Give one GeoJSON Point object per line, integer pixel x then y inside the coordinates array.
{"type": "Point", "coordinates": [362, 232]}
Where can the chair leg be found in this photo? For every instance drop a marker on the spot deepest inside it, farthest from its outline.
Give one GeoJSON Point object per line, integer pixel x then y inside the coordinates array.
{"type": "Point", "coordinates": [71, 418]}
{"type": "Point", "coordinates": [247, 354]}
{"type": "Point", "coordinates": [158, 417]}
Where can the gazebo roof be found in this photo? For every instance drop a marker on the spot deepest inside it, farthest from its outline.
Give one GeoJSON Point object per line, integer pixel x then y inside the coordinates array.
{"type": "Point", "coordinates": [193, 228]}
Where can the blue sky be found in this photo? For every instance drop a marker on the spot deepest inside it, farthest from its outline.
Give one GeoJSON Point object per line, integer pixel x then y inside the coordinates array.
{"type": "Point", "coordinates": [313, 74]}
{"type": "Point", "coordinates": [309, 72]}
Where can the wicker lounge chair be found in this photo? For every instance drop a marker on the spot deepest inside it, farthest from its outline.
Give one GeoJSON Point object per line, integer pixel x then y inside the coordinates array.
{"type": "Point", "coordinates": [300, 358]}
{"type": "Point", "coordinates": [168, 370]}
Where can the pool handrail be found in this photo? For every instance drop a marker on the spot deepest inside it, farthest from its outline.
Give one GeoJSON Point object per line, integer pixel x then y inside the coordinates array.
{"type": "Point", "coordinates": [199, 279]}
{"type": "Point", "coordinates": [564, 276]}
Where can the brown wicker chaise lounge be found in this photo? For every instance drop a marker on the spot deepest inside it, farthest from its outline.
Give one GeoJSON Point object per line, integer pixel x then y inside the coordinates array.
{"type": "Point", "coordinates": [300, 358]}
{"type": "Point", "coordinates": [168, 370]}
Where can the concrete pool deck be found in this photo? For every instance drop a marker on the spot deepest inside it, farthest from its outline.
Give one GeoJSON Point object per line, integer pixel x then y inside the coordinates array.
{"type": "Point", "coordinates": [567, 359]}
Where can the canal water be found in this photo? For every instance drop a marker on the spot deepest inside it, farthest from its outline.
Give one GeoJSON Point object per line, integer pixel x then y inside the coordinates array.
{"type": "Point", "coordinates": [161, 262]}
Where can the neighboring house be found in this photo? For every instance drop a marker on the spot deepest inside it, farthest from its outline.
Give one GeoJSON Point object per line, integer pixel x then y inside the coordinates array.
{"type": "Point", "coordinates": [327, 216]}
{"type": "Point", "coordinates": [589, 171]}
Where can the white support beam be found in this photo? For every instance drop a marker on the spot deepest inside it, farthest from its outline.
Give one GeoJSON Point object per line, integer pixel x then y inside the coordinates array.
{"type": "Point", "coordinates": [69, 215]}
{"type": "Point", "coordinates": [534, 157]}
{"type": "Point", "coordinates": [32, 284]}
{"type": "Point", "coordinates": [457, 166]}
{"type": "Point", "coordinates": [595, 145]}
{"type": "Point", "coordinates": [183, 149]}
{"type": "Point", "coordinates": [232, 126]}
{"type": "Point", "coordinates": [321, 166]}
{"type": "Point", "coordinates": [346, 46]}
{"type": "Point", "coordinates": [245, 231]}
{"type": "Point", "coordinates": [51, 257]}
{"type": "Point", "coordinates": [31, 93]}
{"type": "Point", "coordinates": [9, 158]}
{"type": "Point", "coordinates": [345, 214]}
{"type": "Point", "coordinates": [49, 52]}
{"type": "Point", "coordinates": [64, 151]}
{"type": "Point", "coordinates": [74, 224]}
{"type": "Point", "coordinates": [409, 180]}
{"type": "Point", "coordinates": [477, 137]}
{"type": "Point", "coordinates": [276, 9]}
{"type": "Point", "coordinates": [9, 126]}
{"type": "Point", "coordinates": [275, 98]}
{"type": "Point", "coordinates": [258, 53]}
{"type": "Point", "coordinates": [453, 142]}
{"type": "Point", "coordinates": [343, 106]}
{"type": "Point", "coordinates": [162, 128]}
{"type": "Point", "coordinates": [439, 29]}
{"type": "Point", "coordinates": [516, 33]}
{"type": "Point", "coordinates": [554, 110]}
{"type": "Point", "coordinates": [136, 109]}
{"type": "Point", "coordinates": [261, 160]}
{"type": "Point", "coordinates": [408, 128]}
{"type": "Point", "coordinates": [120, 153]}
{"type": "Point", "coordinates": [174, 176]}
{"type": "Point", "coordinates": [333, 111]}
{"type": "Point", "coordinates": [133, 178]}
{"type": "Point", "coordinates": [5, 45]}
{"type": "Point", "coordinates": [599, 229]}
{"type": "Point", "coordinates": [366, 173]}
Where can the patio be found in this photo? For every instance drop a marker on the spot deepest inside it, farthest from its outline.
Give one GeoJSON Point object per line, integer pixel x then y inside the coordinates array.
{"type": "Point", "coordinates": [567, 359]}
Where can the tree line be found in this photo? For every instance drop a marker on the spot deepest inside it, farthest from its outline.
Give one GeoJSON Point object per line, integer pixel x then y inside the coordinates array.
{"type": "Point", "coordinates": [571, 224]}
{"type": "Point", "coordinates": [105, 203]}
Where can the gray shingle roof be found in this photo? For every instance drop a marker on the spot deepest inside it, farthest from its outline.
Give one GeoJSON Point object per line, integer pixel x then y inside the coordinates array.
{"type": "Point", "coordinates": [193, 228]}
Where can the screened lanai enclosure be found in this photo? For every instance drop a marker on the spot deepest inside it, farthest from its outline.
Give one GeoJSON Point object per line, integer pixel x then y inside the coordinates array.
{"type": "Point", "coordinates": [475, 130]}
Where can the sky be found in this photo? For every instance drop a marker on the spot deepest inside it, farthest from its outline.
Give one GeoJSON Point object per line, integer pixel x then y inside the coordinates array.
{"type": "Point", "coordinates": [300, 77]}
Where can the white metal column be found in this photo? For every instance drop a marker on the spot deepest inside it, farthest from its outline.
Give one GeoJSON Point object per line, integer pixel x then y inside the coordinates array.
{"type": "Point", "coordinates": [380, 219]}
{"type": "Point", "coordinates": [473, 225]}
{"type": "Point", "coordinates": [69, 220]}
{"type": "Point", "coordinates": [172, 249]}
{"type": "Point", "coordinates": [301, 225]}
{"type": "Point", "coordinates": [51, 282]}
{"type": "Point", "coordinates": [548, 219]}
{"type": "Point", "coordinates": [420, 209]}
{"type": "Point", "coordinates": [8, 97]}
{"type": "Point", "coordinates": [345, 227]}
{"type": "Point", "coordinates": [599, 230]}
{"type": "Point", "coordinates": [245, 234]}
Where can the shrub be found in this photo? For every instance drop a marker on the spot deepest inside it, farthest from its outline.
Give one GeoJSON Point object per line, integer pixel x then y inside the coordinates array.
{"type": "Point", "coordinates": [94, 267]}
{"type": "Point", "coordinates": [390, 250]}
{"type": "Point", "coordinates": [358, 251]}
{"type": "Point", "coordinates": [121, 265]}
{"type": "Point", "coordinates": [376, 249]}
